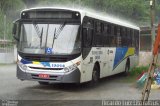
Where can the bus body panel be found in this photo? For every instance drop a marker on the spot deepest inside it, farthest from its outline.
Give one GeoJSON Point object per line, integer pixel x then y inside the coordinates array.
{"type": "Point", "coordinates": [106, 58]}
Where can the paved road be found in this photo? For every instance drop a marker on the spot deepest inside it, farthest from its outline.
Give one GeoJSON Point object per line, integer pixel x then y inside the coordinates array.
{"type": "Point", "coordinates": [108, 89]}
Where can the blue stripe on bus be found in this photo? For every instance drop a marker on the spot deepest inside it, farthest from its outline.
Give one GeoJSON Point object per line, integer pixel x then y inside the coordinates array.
{"type": "Point", "coordinates": [119, 55]}
{"type": "Point", "coordinates": [31, 62]}
{"type": "Point", "coordinates": [25, 61]}
{"type": "Point", "coordinates": [47, 64]}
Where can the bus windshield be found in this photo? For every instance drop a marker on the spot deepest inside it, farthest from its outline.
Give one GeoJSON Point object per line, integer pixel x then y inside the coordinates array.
{"type": "Point", "coordinates": [62, 38]}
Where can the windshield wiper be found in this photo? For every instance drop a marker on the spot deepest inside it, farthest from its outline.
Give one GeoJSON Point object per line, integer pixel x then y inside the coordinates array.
{"type": "Point", "coordinates": [40, 34]}
{"type": "Point", "coordinates": [57, 33]}
{"type": "Point", "coordinates": [59, 30]}
{"type": "Point", "coordinates": [37, 29]}
{"type": "Point", "coordinates": [46, 36]}
{"type": "Point", "coordinates": [54, 37]}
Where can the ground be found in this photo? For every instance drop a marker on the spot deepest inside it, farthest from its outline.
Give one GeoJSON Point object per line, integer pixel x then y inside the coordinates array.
{"type": "Point", "coordinates": [111, 88]}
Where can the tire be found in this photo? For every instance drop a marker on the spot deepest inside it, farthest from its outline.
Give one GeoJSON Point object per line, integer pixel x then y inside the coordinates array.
{"type": "Point", "coordinates": [43, 83]}
{"type": "Point", "coordinates": [127, 67]}
{"type": "Point", "coordinates": [95, 75]}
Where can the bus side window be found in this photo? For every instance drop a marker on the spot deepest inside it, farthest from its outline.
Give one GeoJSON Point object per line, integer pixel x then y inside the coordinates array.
{"type": "Point", "coordinates": [99, 32]}
{"type": "Point", "coordinates": [109, 29]}
{"type": "Point", "coordinates": [115, 30]}
{"type": "Point", "coordinates": [119, 38]}
{"type": "Point", "coordinates": [102, 28]}
{"type": "Point", "coordinates": [124, 37]}
{"type": "Point", "coordinates": [136, 40]}
{"type": "Point", "coordinates": [98, 27]}
{"type": "Point", "coordinates": [87, 34]}
{"type": "Point", "coordinates": [129, 37]}
{"type": "Point", "coordinates": [105, 29]}
{"type": "Point", "coordinates": [132, 37]}
{"type": "Point", "coordinates": [113, 36]}
{"type": "Point", "coordinates": [109, 37]}
{"type": "Point", "coordinates": [105, 35]}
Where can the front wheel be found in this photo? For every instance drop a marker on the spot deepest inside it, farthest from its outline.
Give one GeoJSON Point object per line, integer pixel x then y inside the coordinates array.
{"type": "Point", "coordinates": [95, 76]}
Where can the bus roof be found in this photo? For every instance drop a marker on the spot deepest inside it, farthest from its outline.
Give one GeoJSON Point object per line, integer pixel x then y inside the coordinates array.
{"type": "Point", "coordinates": [106, 18]}
{"type": "Point", "coordinates": [112, 20]}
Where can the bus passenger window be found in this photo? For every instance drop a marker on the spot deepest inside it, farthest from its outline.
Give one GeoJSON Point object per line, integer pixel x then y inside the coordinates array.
{"type": "Point", "coordinates": [124, 38]}
{"type": "Point", "coordinates": [115, 30]}
{"type": "Point", "coordinates": [119, 38]}
{"type": "Point", "coordinates": [102, 27]}
{"type": "Point", "coordinates": [105, 29]}
{"type": "Point", "coordinates": [108, 29]}
{"type": "Point", "coordinates": [132, 38]}
{"type": "Point", "coordinates": [98, 27]}
{"type": "Point", "coordinates": [87, 36]}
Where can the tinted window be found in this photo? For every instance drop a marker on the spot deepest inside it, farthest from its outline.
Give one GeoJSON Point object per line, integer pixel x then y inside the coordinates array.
{"type": "Point", "coordinates": [98, 27]}
{"type": "Point", "coordinates": [87, 32]}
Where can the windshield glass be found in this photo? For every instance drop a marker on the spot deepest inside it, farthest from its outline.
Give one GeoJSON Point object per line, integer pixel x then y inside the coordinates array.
{"type": "Point", "coordinates": [60, 38]}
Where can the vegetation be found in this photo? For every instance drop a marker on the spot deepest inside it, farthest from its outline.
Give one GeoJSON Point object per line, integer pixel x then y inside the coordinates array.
{"type": "Point", "coordinates": [9, 10]}
{"type": "Point", "coordinates": [134, 73]}
{"type": "Point", "coordinates": [137, 11]}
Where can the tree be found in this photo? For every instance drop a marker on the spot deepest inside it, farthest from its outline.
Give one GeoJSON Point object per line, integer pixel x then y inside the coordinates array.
{"type": "Point", "coordinates": [9, 10]}
{"type": "Point", "coordinates": [137, 11]}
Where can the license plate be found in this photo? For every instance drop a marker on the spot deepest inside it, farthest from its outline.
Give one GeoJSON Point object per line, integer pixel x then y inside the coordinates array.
{"type": "Point", "coordinates": [43, 76]}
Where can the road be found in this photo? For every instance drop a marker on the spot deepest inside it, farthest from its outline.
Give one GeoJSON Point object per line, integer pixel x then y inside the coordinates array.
{"type": "Point", "coordinates": [111, 88]}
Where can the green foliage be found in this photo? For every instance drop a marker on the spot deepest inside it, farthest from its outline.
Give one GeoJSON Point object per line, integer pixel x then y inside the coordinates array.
{"type": "Point", "coordinates": [137, 11]}
{"type": "Point", "coordinates": [134, 73]}
{"type": "Point", "coordinates": [138, 70]}
{"type": "Point", "coordinates": [9, 10]}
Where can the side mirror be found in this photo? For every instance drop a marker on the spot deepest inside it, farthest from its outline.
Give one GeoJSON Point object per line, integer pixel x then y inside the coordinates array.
{"type": "Point", "coordinates": [14, 31]}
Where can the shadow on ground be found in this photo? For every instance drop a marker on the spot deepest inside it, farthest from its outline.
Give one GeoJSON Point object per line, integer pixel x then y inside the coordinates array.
{"type": "Point", "coordinates": [80, 87]}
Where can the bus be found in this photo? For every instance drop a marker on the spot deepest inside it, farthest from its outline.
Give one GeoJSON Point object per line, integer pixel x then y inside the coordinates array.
{"type": "Point", "coordinates": [59, 45]}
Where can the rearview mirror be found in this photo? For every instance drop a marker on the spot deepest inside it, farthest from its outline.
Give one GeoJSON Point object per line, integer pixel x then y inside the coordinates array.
{"type": "Point", "coordinates": [14, 31]}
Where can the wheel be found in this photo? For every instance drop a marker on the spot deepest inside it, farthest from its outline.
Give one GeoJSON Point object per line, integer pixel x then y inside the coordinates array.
{"type": "Point", "coordinates": [127, 67]}
{"type": "Point", "coordinates": [95, 75]}
{"type": "Point", "coordinates": [43, 83]}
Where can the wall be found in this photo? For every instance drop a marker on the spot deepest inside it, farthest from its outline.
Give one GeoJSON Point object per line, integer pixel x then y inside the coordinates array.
{"type": "Point", "coordinates": [8, 55]}
{"type": "Point", "coordinates": [145, 58]}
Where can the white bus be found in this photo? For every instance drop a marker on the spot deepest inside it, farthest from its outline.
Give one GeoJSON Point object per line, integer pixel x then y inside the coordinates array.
{"type": "Point", "coordinates": [58, 45]}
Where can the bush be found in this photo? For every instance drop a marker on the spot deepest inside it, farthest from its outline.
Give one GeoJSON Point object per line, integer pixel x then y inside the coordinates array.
{"type": "Point", "coordinates": [138, 70]}
{"type": "Point", "coordinates": [134, 73]}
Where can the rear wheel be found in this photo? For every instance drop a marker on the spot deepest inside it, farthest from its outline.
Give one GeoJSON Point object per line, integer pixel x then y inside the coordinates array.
{"type": "Point", "coordinates": [43, 83]}
{"type": "Point", "coordinates": [127, 67]}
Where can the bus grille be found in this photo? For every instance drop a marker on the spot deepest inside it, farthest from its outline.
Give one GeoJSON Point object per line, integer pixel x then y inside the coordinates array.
{"type": "Point", "coordinates": [46, 59]}
{"type": "Point", "coordinates": [46, 68]}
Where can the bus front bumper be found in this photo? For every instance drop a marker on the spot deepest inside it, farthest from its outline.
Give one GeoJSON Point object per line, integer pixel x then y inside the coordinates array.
{"type": "Point", "coordinates": [73, 77]}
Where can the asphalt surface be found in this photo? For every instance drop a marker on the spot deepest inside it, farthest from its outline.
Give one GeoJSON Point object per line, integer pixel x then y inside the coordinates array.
{"type": "Point", "coordinates": [110, 88]}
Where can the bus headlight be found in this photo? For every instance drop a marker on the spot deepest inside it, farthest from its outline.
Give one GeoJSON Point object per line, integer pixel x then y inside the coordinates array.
{"type": "Point", "coordinates": [22, 66]}
{"type": "Point", "coordinates": [72, 67]}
